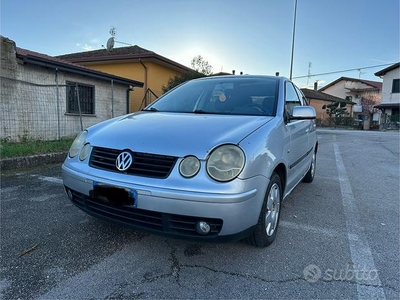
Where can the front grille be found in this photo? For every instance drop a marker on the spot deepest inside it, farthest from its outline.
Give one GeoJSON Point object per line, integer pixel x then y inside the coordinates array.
{"type": "Point", "coordinates": [144, 164]}
{"type": "Point", "coordinates": [157, 222]}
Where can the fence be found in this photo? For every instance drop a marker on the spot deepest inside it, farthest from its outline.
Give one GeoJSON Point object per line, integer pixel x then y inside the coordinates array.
{"type": "Point", "coordinates": [149, 97]}
{"type": "Point", "coordinates": [340, 122]}
{"type": "Point", "coordinates": [42, 111]}
{"type": "Point", "coordinates": [391, 122]}
{"type": "Point", "coordinates": [388, 122]}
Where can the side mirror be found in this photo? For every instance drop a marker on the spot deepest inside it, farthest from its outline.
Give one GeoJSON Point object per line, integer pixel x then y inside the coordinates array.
{"type": "Point", "coordinates": [303, 113]}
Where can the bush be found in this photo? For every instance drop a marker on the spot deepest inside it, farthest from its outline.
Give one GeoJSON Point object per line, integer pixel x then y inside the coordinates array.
{"type": "Point", "coordinates": [30, 147]}
{"type": "Point", "coordinates": [394, 118]}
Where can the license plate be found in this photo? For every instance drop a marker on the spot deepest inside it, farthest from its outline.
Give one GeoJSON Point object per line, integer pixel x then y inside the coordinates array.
{"type": "Point", "coordinates": [115, 195]}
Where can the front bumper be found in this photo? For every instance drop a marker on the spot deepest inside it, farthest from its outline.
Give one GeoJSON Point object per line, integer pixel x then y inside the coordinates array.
{"type": "Point", "coordinates": [173, 212]}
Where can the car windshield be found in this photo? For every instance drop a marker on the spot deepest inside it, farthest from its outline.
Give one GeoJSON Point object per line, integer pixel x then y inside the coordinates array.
{"type": "Point", "coordinates": [237, 95]}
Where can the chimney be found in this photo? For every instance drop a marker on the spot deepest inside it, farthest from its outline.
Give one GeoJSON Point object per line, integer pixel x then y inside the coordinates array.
{"type": "Point", "coordinates": [316, 85]}
{"type": "Point", "coordinates": [233, 72]}
{"type": "Point", "coordinates": [276, 73]}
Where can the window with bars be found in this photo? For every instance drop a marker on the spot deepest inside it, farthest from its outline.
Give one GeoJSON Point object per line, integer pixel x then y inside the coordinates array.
{"type": "Point", "coordinates": [85, 95]}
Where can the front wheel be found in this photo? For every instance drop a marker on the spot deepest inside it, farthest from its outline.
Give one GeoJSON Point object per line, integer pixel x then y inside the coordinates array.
{"type": "Point", "coordinates": [309, 177]}
{"type": "Point", "coordinates": [265, 231]}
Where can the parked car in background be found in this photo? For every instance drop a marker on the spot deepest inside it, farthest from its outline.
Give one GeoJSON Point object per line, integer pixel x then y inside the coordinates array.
{"type": "Point", "coordinates": [211, 160]}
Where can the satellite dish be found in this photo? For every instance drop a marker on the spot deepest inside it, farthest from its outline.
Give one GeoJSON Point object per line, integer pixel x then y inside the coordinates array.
{"type": "Point", "coordinates": [110, 44]}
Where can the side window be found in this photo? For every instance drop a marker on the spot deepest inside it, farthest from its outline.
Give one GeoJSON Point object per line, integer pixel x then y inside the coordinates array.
{"type": "Point", "coordinates": [291, 98]}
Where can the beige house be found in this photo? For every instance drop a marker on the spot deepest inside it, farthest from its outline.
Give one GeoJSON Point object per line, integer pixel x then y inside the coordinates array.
{"type": "Point", "coordinates": [354, 90]}
{"type": "Point", "coordinates": [364, 93]}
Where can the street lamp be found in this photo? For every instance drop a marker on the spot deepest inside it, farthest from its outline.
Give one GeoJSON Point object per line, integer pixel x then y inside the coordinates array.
{"type": "Point", "coordinates": [294, 31]}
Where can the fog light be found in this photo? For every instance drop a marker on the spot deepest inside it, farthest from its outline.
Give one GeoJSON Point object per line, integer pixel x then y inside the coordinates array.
{"type": "Point", "coordinates": [203, 228]}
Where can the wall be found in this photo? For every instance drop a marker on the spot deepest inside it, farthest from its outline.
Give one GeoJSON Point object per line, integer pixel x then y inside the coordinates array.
{"type": "Point", "coordinates": [157, 76]}
{"type": "Point", "coordinates": [131, 70]}
{"type": "Point", "coordinates": [29, 108]}
{"type": "Point", "coordinates": [387, 95]}
{"type": "Point", "coordinates": [321, 114]}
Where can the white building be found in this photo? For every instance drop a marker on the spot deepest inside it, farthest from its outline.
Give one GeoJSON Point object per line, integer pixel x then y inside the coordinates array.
{"type": "Point", "coordinates": [390, 104]}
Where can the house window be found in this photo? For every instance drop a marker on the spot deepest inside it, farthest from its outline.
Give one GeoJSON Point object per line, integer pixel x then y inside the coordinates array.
{"type": "Point", "coordinates": [396, 86]}
{"type": "Point", "coordinates": [349, 98]}
{"type": "Point", "coordinates": [86, 98]}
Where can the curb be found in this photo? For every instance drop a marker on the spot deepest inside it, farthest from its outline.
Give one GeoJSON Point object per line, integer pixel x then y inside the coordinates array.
{"type": "Point", "coordinates": [32, 161]}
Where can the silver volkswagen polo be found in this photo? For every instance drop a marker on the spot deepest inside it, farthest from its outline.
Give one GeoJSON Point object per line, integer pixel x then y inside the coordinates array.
{"type": "Point", "coordinates": [211, 160]}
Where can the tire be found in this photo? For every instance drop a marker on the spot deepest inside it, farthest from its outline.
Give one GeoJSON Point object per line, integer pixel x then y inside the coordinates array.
{"type": "Point", "coordinates": [265, 231]}
{"type": "Point", "coordinates": [309, 177]}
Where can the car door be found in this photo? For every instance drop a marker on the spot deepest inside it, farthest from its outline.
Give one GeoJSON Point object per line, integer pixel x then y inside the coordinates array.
{"type": "Point", "coordinates": [311, 133]}
{"type": "Point", "coordinates": [298, 131]}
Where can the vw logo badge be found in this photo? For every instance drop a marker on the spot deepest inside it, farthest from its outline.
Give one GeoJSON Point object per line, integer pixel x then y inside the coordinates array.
{"type": "Point", "coordinates": [124, 161]}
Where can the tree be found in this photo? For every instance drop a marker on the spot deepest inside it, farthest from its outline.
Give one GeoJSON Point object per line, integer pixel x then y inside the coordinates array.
{"type": "Point", "coordinates": [368, 109]}
{"type": "Point", "coordinates": [369, 103]}
{"type": "Point", "coordinates": [337, 109]}
{"type": "Point", "coordinates": [200, 65]}
{"type": "Point", "coordinates": [180, 78]}
{"type": "Point", "coordinates": [201, 68]}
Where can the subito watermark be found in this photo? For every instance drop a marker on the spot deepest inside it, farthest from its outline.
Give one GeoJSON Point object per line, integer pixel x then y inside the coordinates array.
{"type": "Point", "coordinates": [312, 273]}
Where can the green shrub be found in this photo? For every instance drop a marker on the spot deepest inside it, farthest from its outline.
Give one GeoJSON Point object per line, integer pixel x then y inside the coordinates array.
{"type": "Point", "coordinates": [30, 147]}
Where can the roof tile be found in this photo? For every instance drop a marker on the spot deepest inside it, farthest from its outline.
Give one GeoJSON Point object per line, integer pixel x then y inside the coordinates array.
{"type": "Point", "coordinates": [26, 54]}
{"type": "Point", "coordinates": [125, 51]}
{"type": "Point", "coordinates": [313, 94]}
{"type": "Point", "coordinates": [121, 53]}
{"type": "Point", "coordinates": [373, 84]}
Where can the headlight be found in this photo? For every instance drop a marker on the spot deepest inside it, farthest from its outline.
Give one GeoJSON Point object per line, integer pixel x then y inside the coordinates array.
{"type": "Point", "coordinates": [189, 166]}
{"type": "Point", "coordinates": [225, 162]}
{"type": "Point", "coordinates": [85, 151]}
{"type": "Point", "coordinates": [77, 144]}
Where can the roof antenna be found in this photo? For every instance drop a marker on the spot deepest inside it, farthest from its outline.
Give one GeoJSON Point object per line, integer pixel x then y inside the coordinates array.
{"type": "Point", "coordinates": [309, 73]}
{"type": "Point", "coordinates": [360, 73]}
{"type": "Point", "coordinates": [111, 41]}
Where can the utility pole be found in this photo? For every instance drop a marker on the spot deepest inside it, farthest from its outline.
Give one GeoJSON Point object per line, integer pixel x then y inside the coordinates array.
{"type": "Point", "coordinates": [294, 31]}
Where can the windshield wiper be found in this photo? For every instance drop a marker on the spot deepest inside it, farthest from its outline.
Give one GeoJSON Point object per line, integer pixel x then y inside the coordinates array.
{"type": "Point", "coordinates": [199, 111]}
{"type": "Point", "coordinates": [153, 109]}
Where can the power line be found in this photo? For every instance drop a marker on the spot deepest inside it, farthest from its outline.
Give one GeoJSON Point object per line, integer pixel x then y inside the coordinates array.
{"type": "Point", "coordinates": [343, 71]}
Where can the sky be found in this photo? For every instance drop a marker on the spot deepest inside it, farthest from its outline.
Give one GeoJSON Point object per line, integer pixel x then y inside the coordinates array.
{"type": "Point", "coordinates": [249, 36]}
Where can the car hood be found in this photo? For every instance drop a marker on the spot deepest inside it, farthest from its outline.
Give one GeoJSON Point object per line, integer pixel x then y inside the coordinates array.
{"type": "Point", "coordinates": [175, 134]}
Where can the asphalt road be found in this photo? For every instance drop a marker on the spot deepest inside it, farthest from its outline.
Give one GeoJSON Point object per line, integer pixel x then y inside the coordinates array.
{"type": "Point", "coordinates": [338, 238]}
